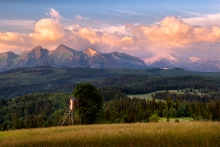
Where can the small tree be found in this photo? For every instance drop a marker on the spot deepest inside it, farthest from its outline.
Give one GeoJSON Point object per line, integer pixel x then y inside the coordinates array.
{"type": "Point", "coordinates": [154, 118]}
{"type": "Point", "coordinates": [15, 123]}
{"type": "Point", "coordinates": [172, 112]}
{"type": "Point", "coordinates": [90, 103]}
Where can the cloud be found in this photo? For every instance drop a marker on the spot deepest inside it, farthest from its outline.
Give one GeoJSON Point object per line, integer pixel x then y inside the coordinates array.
{"type": "Point", "coordinates": [191, 13]}
{"type": "Point", "coordinates": [79, 17]}
{"type": "Point", "coordinates": [54, 14]}
{"type": "Point", "coordinates": [207, 20]}
{"type": "Point", "coordinates": [104, 38]}
{"type": "Point", "coordinates": [11, 41]}
{"type": "Point", "coordinates": [113, 29]}
{"type": "Point", "coordinates": [26, 23]}
{"type": "Point", "coordinates": [14, 39]}
{"type": "Point", "coordinates": [169, 35]}
{"type": "Point", "coordinates": [129, 12]}
{"type": "Point", "coordinates": [47, 30]}
{"type": "Point", "coordinates": [173, 32]}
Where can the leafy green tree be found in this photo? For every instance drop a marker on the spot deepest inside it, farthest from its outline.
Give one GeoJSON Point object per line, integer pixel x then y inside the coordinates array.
{"type": "Point", "coordinates": [90, 103]}
{"type": "Point", "coordinates": [15, 123]}
{"type": "Point", "coordinates": [4, 127]}
{"type": "Point", "coordinates": [168, 106]}
{"type": "Point", "coordinates": [154, 118]}
{"type": "Point", "coordinates": [40, 121]}
{"type": "Point", "coordinates": [172, 112]}
{"type": "Point", "coordinates": [183, 110]}
{"type": "Point", "coordinates": [198, 118]}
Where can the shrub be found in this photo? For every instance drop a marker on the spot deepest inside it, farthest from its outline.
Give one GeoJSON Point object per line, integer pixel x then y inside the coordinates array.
{"type": "Point", "coordinates": [154, 118]}
{"type": "Point", "coordinates": [177, 120]}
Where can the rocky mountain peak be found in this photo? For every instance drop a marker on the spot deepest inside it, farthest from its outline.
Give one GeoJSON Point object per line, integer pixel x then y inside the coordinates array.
{"type": "Point", "coordinates": [64, 56]}
{"type": "Point", "coordinates": [90, 52]}
{"type": "Point", "coordinates": [37, 48]}
{"type": "Point", "coordinates": [63, 48]}
{"type": "Point", "coordinates": [37, 52]}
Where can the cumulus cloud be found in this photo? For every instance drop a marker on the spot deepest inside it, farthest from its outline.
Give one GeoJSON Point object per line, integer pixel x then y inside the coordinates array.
{"type": "Point", "coordinates": [170, 35]}
{"type": "Point", "coordinates": [11, 41]}
{"type": "Point", "coordinates": [54, 14]}
{"type": "Point", "coordinates": [47, 30]}
{"type": "Point", "coordinates": [173, 32]}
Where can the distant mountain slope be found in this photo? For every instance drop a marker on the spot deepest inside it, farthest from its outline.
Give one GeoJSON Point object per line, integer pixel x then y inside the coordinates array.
{"type": "Point", "coordinates": [6, 60]}
{"type": "Point", "coordinates": [64, 56]}
{"type": "Point", "coordinates": [30, 58]}
{"type": "Point", "coordinates": [192, 63]}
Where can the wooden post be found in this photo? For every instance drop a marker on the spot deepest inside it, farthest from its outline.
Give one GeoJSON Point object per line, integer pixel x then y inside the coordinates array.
{"type": "Point", "coordinates": [72, 116]}
{"type": "Point", "coordinates": [57, 118]}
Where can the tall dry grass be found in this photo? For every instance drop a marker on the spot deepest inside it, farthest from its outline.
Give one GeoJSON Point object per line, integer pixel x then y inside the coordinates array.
{"type": "Point", "coordinates": [188, 134]}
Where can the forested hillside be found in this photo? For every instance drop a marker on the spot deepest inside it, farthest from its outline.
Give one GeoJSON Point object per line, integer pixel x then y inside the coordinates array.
{"type": "Point", "coordinates": [21, 81]}
{"type": "Point", "coordinates": [38, 97]}
{"type": "Point", "coordinates": [45, 110]}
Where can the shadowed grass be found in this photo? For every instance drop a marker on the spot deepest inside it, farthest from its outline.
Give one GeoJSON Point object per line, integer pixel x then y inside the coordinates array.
{"type": "Point", "coordinates": [138, 134]}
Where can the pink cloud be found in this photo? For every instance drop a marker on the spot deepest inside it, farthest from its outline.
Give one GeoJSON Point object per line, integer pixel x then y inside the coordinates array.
{"type": "Point", "coordinates": [173, 32]}
{"type": "Point", "coordinates": [207, 20]}
{"type": "Point", "coordinates": [47, 30]}
{"type": "Point", "coordinates": [170, 35]}
{"type": "Point", "coordinates": [54, 14]}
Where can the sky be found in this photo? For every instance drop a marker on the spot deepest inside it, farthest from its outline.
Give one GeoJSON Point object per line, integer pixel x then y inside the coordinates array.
{"type": "Point", "coordinates": [142, 28]}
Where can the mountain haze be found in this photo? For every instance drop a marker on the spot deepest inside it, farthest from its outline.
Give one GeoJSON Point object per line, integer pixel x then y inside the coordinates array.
{"type": "Point", "coordinates": [192, 63]}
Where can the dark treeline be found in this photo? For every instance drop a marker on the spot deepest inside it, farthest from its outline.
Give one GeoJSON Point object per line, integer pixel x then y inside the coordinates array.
{"type": "Point", "coordinates": [188, 95]}
{"type": "Point", "coordinates": [140, 84]}
{"type": "Point", "coordinates": [139, 110]}
{"type": "Point", "coordinates": [45, 110]}
{"type": "Point", "coordinates": [31, 111]}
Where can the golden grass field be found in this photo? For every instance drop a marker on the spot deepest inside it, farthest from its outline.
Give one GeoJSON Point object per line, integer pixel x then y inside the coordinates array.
{"type": "Point", "coordinates": [162, 134]}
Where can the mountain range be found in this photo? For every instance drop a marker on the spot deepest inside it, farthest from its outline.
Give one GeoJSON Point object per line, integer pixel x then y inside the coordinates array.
{"type": "Point", "coordinates": [64, 56]}
{"type": "Point", "coordinates": [168, 61]}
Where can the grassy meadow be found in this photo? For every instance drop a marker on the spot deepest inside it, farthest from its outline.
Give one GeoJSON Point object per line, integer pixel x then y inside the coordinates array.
{"type": "Point", "coordinates": [188, 134]}
{"type": "Point", "coordinates": [149, 95]}
{"type": "Point", "coordinates": [181, 119]}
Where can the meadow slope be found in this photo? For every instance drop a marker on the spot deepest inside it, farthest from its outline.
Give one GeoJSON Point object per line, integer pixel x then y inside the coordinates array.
{"type": "Point", "coordinates": [190, 134]}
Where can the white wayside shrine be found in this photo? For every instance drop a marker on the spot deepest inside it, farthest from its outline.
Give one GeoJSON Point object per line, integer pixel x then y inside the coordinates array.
{"type": "Point", "coordinates": [70, 112]}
